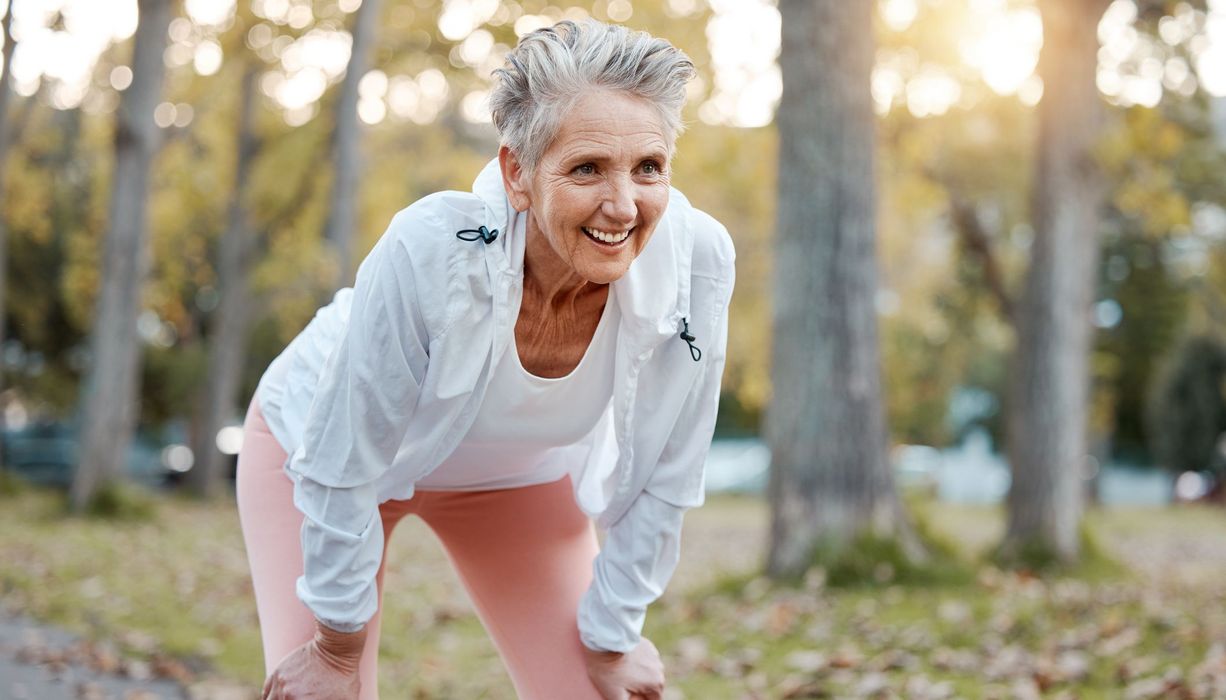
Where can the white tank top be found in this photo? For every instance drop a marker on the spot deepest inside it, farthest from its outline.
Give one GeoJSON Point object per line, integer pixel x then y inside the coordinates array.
{"type": "Point", "coordinates": [532, 430]}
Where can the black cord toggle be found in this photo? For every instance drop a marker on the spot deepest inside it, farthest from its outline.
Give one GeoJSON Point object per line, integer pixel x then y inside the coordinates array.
{"type": "Point", "coordinates": [477, 234]}
{"type": "Point", "coordinates": [689, 340]}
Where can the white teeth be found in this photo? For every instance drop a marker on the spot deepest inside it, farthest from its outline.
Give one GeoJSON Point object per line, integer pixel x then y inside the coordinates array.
{"type": "Point", "coordinates": [608, 237]}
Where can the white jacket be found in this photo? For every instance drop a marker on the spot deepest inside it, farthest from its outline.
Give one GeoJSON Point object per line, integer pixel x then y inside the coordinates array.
{"type": "Point", "coordinates": [386, 381]}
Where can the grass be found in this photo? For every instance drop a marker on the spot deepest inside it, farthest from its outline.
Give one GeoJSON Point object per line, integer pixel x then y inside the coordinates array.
{"type": "Point", "coordinates": [175, 583]}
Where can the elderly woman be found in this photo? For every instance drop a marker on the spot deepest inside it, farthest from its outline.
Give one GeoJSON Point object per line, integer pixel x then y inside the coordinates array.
{"type": "Point", "coordinates": [511, 364]}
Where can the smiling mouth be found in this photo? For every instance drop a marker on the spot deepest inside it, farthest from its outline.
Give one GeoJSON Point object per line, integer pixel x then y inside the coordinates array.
{"type": "Point", "coordinates": [607, 237]}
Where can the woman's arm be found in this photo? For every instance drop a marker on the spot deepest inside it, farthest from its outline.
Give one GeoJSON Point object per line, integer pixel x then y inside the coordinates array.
{"type": "Point", "coordinates": [642, 548]}
{"type": "Point", "coordinates": [365, 399]}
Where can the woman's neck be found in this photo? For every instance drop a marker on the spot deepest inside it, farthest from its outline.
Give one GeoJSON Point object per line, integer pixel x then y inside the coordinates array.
{"type": "Point", "coordinates": [559, 313]}
{"type": "Point", "coordinates": [550, 282]}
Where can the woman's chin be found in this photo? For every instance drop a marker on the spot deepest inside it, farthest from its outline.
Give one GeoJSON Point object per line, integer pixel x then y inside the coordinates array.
{"type": "Point", "coordinates": [604, 272]}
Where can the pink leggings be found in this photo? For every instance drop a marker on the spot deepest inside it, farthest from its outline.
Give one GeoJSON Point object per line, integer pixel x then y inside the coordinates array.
{"type": "Point", "coordinates": [524, 555]}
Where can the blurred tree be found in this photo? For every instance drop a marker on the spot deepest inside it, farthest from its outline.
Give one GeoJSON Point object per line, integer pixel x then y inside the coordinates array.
{"type": "Point", "coordinates": [228, 332]}
{"type": "Point", "coordinates": [1159, 164]}
{"type": "Point", "coordinates": [1049, 390]}
{"type": "Point", "coordinates": [109, 399]}
{"type": "Point", "coordinates": [951, 190]}
{"type": "Point", "coordinates": [342, 205]}
{"type": "Point", "coordinates": [831, 481]}
{"type": "Point", "coordinates": [953, 229]}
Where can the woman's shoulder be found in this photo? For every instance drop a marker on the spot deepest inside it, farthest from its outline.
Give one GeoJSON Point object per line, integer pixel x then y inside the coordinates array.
{"type": "Point", "coordinates": [421, 247]}
{"type": "Point", "coordinates": [428, 226]}
{"type": "Point", "coordinates": [713, 254]}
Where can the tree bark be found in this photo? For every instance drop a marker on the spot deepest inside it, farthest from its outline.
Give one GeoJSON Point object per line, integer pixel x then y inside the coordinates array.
{"type": "Point", "coordinates": [830, 476]}
{"type": "Point", "coordinates": [1217, 118]}
{"type": "Point", "coordinates": [1047, 438]}
{"type": "Point", "coordinates": [228, 336]}
{"type": "Point", "coordinates": [6, 80]}
{"type": "Point", "coordinates": [346, 158]}
{"type": "Point", "coordinates": [110, 394]}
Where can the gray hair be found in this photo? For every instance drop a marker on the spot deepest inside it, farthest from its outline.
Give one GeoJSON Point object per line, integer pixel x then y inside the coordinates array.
{"type": "Point", "coordinates": [551, 68]}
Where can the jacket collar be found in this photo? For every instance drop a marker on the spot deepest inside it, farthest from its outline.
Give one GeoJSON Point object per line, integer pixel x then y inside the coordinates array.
{"type": "Point", "coordinates": [652, 296]}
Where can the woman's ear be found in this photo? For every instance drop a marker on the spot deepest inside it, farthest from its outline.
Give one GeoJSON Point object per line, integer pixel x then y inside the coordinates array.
{"type": "Point", "coordinates": [514, 179]}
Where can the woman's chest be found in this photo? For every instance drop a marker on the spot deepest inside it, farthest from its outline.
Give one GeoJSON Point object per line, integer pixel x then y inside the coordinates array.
{"type": "Point", "coordinates": [552, 342]}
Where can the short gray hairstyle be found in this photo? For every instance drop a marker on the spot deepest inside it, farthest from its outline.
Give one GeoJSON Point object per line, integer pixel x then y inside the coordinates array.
{"type": "Point", "coordinates": [551, 68]}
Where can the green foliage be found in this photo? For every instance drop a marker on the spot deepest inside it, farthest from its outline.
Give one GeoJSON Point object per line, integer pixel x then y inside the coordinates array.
{"type": "Point", "coordinates": [1163, 163]}
{"type": "Point", "coordinates": [48, 211]}
{"type": "Point", "coordinates": [942, 330]}
{"type": "Point", "coordinates": [1127, 357]}
{"type": "Point", "coordinates": [1188, 409]}
{"type": "Point", "coordinates": [174, 377]}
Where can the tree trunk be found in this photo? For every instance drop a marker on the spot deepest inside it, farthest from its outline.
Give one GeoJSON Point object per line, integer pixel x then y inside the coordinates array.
{"type": "Point", "coordinates": [1217, 116]}
{"type": "Point", "coordinates": [228, 336]}
{"type": "Point", "coordinates": [830, 475]}
{"type": "Point", "coordinates": [1047, 426]}
{"type": "Point", "coordinates": [6, 92]}
{"type": "Point", "coordinates": [346, 158]}
{"type": "Point", "coordinates": [110, 394]}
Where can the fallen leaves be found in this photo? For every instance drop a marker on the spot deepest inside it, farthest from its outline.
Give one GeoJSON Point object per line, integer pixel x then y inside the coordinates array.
{"type": "Point", "coordinates": [1006, 636]}
{"type": "Point", "coordinates": [101, 657]}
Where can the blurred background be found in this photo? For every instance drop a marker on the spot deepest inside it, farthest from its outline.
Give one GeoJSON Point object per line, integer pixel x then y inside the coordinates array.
{"type": "Point", "coordinates": [185, 182]}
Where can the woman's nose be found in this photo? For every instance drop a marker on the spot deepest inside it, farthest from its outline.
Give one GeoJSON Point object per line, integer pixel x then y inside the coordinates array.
{"type": "Point", "coordinates": [619, 204]}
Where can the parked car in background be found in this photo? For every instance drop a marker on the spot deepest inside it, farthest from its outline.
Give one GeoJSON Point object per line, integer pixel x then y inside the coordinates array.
{"type": "Point", "coordinates": [45, 453]}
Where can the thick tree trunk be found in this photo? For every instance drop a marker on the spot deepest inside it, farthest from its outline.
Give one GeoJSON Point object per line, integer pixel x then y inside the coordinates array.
{"type": "Point", "coordinates": [830, 476]}
{"type": "Point", "coordinates": [228, 336]}
{"type": "Point", "coordinates": [346, 158]}
{"type": "Point", "coordinates": [6, 80]}
{"type": "Point", "coordinates": [1047, 438]}
{"type": "Point", "coordinates": [108, 412]}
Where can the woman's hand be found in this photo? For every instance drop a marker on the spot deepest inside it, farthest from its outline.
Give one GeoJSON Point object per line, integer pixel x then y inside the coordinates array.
{"type": "Point", "coordinates": [636, 674]}
{"type": "Point", "coordinates": [325, 668]}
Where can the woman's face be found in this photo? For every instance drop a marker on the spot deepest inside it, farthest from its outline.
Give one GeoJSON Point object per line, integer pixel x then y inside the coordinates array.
{"type": "Point", "coordinates": [599, 189]}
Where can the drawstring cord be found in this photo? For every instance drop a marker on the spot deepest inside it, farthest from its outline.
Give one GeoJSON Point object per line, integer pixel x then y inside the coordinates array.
{"type": "Point", "coordinates": [689, 340]}
{"type": "Point", "coordinates": [477, 234]}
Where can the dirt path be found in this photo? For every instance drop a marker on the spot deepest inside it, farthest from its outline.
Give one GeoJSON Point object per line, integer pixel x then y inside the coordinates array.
{"type": "Point", "coordinates": [39, 662]}
{"type": "Point", "coordinates": [43, 662]}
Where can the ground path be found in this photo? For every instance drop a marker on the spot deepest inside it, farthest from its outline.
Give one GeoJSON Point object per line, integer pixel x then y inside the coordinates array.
{"type": "Point", "coordinates": [42, 662]}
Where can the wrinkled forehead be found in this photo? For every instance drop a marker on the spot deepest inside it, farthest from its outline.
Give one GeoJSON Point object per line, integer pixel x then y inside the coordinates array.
{"type": "Point", "coordinates": [613, 123]}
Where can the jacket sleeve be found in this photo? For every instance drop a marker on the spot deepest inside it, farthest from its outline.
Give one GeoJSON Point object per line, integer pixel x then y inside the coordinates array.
{"type": "Point", "coordinates": [366, 396]}
{"type": "Point", "coordinates": [642, 548]}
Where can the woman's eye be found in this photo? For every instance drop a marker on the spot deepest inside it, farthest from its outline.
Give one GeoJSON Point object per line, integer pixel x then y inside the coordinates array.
{"type": "Point", "coordinates": [586, 169]}
{"type": "Point", "coordinates": [651, 167]}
